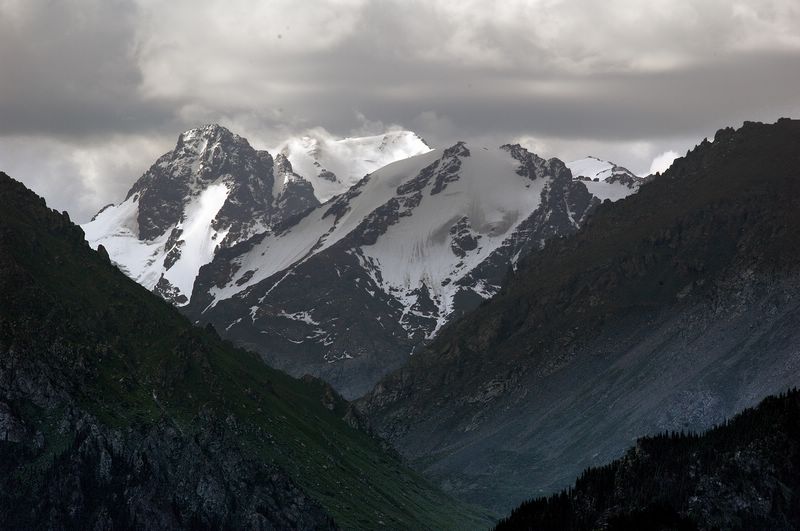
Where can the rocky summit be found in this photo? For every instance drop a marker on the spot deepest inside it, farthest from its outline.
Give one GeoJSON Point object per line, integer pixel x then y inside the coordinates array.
{"type": "Point", "coordinates": [211, 192]}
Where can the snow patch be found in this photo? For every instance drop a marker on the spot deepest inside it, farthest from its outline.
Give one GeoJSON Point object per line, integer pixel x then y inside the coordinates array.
{"type": "Point", "coordinates": [304, 317]}
{"type": "Point", "coordinates": [140, 260]}
{"type": "Point", "coordinates": [200, 239]}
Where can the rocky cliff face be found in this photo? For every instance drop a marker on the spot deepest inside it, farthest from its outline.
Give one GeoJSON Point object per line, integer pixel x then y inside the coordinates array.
{"type": "Point", "coordinates": [111, 478]}
{"type": "Point", "coordinates": [673, 309]}
{"type": "Point", "coordinates": [116, 413]}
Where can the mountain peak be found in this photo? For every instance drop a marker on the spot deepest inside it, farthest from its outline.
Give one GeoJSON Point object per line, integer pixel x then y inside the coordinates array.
{"type": "Point", "coordinates": [207, 131]}
{"type": "Point", "coordinates": [459, 149]}
{"type": "Point", "coordinates": [212, 191]}
{"type": "Point", "coordinates": [403, 135]}
{"type": "Point", "coordinates": [201, 141]}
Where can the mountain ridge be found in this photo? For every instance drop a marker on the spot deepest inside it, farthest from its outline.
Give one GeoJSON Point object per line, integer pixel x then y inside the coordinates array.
{"type": "Point", "coordinates": [689, 282]}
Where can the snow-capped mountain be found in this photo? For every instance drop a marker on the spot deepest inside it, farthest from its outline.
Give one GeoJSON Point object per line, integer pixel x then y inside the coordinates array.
{"type": "Point", "coordinates": [333, 165]}
{"type": "Point", "coordinates": [604, 179]}
{"type": "Point", "coordinates": [348, 288]}
{"type": "Point", "coordinates": [214, 190]}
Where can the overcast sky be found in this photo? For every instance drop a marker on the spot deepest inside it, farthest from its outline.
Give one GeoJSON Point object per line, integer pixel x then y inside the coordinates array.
{"type": "Point", "coordinates": [92, 91]}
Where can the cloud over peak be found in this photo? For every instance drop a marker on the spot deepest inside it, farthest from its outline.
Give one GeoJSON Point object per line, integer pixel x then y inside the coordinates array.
{"type": "Point", "coordinates": [632, 79]}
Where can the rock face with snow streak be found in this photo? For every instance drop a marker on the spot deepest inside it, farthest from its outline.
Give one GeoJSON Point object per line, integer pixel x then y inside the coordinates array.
{"type": "Point", "coordinates": [350, 290]}
{"type": "Point", "coordinates": [212, 191]}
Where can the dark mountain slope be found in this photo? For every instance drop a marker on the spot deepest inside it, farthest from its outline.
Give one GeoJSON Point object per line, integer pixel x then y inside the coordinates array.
{"type": "Point", "coordinates": [742, 475]}
{"type": "Point", "coordinates": [116, 413]}
{"type": "Point", "coordinates": [673, 308]}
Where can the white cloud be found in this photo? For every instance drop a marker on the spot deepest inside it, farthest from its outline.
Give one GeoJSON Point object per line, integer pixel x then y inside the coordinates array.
{"type": "Point", "coordinates": [662, 162]}
{"type": "Point", "coordinates": [243, 53]}
{"type": "Point", "coordinates": [618, 79]}
{"type": "Point", "coordinates": [80, 178]}
{"type": "Point", "coordinates": [235, 49]}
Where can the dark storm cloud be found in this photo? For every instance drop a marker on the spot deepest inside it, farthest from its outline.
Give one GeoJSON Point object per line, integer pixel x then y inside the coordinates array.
{"type": "Point", "coordinates": [68, 68]}
{"type": "Point", "coordinates": [613, 107]}
{"type": "Point", "coordinates": [109, 84]}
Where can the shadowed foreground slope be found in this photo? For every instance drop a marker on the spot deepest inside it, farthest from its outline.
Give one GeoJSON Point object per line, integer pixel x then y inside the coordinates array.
{"type": "Point", "coordinates": [116, 412]}
{"type": "Point", "coordinates": [744, 474]}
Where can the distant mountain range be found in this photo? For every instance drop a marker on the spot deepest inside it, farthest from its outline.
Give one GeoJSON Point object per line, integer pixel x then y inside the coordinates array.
{"type": "Point", "coordinates": [671, 310]}
{"type": "Point", "coordinates": [340, 258]}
